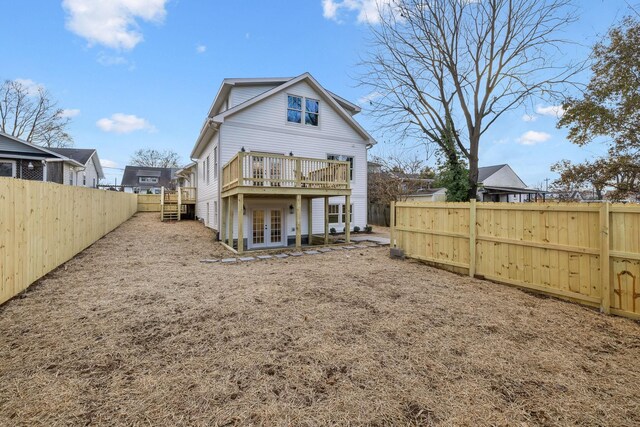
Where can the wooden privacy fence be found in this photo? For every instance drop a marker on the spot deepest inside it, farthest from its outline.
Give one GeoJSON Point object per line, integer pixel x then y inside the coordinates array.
{"type": "Point", "coordinates": [589, 253]}
{"type": "Point", "coordinates": [149, 202]}
{"type": "Point", "coordinates": [43, 225]}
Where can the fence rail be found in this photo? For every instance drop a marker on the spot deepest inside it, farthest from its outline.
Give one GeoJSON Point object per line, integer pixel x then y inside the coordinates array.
{"type": "Point", "coordinates": [43, 225]}
{"type": "Point", "coordinates": [589, 253]}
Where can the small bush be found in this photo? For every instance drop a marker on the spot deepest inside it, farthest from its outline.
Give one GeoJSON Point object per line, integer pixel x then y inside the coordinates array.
{"type": "Point", "coordinates": [368, 229]}
{"type": "Point", "coordinates": [356, 229]}
{"type": "Point", "coordinates": [332, 231]}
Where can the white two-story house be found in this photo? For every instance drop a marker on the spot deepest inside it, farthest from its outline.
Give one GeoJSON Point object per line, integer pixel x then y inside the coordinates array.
{"type": "Point", "coordinates": [280, 162]}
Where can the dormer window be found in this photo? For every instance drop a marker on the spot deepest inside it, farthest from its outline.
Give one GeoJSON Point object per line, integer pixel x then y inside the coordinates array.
{"type": "Point", "coordinates": [148, 180]}
{"type": "Point", "coordinates": [298, 107]}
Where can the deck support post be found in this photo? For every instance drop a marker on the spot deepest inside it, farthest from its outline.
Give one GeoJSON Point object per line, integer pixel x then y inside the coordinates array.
{"type": "Point", "coordinates": [298, 221]}
{"type": "Point", "coordinates": [347, 219]}
{"type": "Point", "coordinates": [326, 220]}
{"type": "Point", "coordinates": [240, 223]}
{"type": "Point", "coordinates": [310, 220]}
{"type": "Point", "coordinates": [230, 222]}
{"type": "Point", "coordinates": [223, 220]}
{"type": "Point", "coordinates": [180, 202]}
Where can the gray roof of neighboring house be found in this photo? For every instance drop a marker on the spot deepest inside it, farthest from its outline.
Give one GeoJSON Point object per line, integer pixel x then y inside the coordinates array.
{"type": "Point", "coordinates": [131, 176]}
{"type": "Point", "coordinates": [486, 171]}
{"type": "Point", "coordinates": [13, 147]}
{"type": "Point", "coordinates": [81, 155]}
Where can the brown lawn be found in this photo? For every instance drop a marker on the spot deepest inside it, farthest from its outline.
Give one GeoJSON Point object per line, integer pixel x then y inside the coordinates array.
{"type": "Point", "coordinates": [136, 331]}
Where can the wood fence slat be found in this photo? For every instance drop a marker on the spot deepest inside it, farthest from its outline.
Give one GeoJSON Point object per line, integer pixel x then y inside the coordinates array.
{"type": "Point", "coordinates": [43, 225]}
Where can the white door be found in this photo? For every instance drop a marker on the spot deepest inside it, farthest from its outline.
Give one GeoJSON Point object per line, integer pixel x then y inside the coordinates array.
{"type": "Point", "coordinates": [266, 228]}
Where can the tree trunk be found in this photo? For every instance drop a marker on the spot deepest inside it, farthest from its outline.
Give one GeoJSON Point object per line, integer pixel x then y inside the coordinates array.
{"type": "Point", "coordinates": [473, 166]}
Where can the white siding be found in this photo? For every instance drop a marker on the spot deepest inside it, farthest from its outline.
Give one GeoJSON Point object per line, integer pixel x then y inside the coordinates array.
{"type": "Point", "coordinates": [207, 193]}
{"type": "Point", "coordinates": [91, 173]}
{"type": "Point", "coordinates": [505, 177]}
{"type": "Point", "coordinates": [240, 94]}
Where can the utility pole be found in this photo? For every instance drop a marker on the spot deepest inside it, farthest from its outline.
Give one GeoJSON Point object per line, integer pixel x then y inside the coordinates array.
{"type": "Point", "coordinates": [546, 180]}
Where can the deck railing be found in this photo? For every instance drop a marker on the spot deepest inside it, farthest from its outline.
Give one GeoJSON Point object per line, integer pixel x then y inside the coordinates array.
{"type": "Point", "coordinates": [273, 170]}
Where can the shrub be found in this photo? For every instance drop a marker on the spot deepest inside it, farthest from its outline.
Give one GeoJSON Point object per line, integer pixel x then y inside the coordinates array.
{"type": "Point", "coordinates": [332, 231]}
{"type": "Point", "coordinates": [356, 229]}
{"type": "Point", "coordinates": [368, 229]}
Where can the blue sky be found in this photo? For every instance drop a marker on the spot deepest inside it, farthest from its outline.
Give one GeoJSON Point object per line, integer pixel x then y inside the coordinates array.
{"type": "Point", "coordinates": [142, 73]}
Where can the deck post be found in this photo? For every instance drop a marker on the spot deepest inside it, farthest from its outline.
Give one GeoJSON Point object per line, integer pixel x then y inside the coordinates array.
{"type": "Point", "coordinates": [347, 219]}
{"type": "Point", "coordinates": [326, 220]}
{"type": "Point", "coordinates": [298, 221]}
{"type": "Point", "coordinates": [179, 202]}
{"type": "Point", "coordinates": [230, 222]}
{"type": "Point", "coordinates": [223, 220]}
{"type": "Point", "coordinates": [310, 220]}
{"type": "Point", "coordinates": [472, 237]}
{"type": "Point", "coordinates": [240, 223]}
{"type": "Point", "coordinates": [162, 203]}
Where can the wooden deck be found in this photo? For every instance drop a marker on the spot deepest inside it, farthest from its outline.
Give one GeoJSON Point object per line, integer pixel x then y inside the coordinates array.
{"type": "Point", "coordinates": [174, 204]}
{"type": "Point", "coordinates": [255, 174]}
{"type": "Point", "coordinates": [273, 174]}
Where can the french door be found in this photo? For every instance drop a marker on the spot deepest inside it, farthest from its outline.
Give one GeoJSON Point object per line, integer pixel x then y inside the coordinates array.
{"type": "Point", "coordinates": [266, 228]}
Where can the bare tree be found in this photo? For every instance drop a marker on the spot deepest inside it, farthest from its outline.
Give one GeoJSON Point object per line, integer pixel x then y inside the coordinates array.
{"type": "Point", "coordinates": [32, 115]}
{"type": "Point", "coordinates": [443, 70]}
{"type": "Point", "coordinates": [151, 157]}
{"type": "Point", "coordinates": [393, 178]}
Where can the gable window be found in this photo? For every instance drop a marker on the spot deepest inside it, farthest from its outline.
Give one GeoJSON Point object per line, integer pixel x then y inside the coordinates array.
{"type": "Point", "coordinates": [298, 107]}
{"type": "Point", "coordinates": [8, 168]}
{"type": "Point", "coordinates": [148, 180]}
{"type": "Point", "coordinates": [342, 158]}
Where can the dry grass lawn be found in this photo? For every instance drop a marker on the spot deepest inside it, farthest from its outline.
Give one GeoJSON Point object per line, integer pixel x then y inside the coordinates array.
{"type": "Point", "coordinates": [136, 331]}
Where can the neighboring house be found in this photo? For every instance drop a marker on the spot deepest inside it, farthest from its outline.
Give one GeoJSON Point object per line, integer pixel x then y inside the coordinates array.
{"type": "Point", "coordinates": [147, 180]}
{"type": "Point", "coordinates": [273, 151]}
{"type": "Point", "coordinates": [21, 159]}
{"type": "Point", "coordinates": [91, 173]}
{"type": "Point", "coordinates": [500, 183]}
{"type": "Point", "coordinates": [428, 195]}
{"type": "Point", "coordinates": [187, 176]}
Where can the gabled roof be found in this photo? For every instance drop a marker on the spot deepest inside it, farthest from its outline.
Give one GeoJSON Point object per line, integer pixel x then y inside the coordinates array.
{"type": "Point", "coordinates": [131, 175]}
{"type": "Point", "coordinates": [338, 103]}
{"type": "Point", "coordinates": [27, 149]}
{"type": "Point", "coordinates": [81, 155]}
{"type": "Point", "coordinates": [485, 172]}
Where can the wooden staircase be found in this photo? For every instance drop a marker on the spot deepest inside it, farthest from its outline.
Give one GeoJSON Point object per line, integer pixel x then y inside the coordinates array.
{"type": "Point", "coordinates": [173, 203]}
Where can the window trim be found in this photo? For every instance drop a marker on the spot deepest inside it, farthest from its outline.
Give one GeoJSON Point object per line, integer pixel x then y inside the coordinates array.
{"type": "Point", "coordinates": [14, 169]}
{"type": "Point", "coordinates": [303, 111]}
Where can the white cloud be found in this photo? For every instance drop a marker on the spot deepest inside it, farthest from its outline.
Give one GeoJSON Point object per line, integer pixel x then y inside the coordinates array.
{"type": "Point", "coordinates": [533, 137]}
{"type": "Point", "coordinates": [367, 10]}
{"type": "Point", "coordinates": [108, 163]}
{"type": "Point", "coordinates": [529, 117]}
{"type": "Point", "coordinates": [70, 112]}
{"type": "Point", "coordinates": [112, 23]}
{"type": "Point", "coordinates": [550, 110]}
{"type": "Point", "coordinates": [201, 48]}
{"type": "Point", "coordinates": [31, 86]}
{"type": "Point", "coordinates": [124, 123]}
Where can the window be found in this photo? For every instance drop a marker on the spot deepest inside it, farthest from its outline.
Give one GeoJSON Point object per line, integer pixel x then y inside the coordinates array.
{"type": "Point", "coordinates": [7, 168]}
{"type": "Point", "coordinates": [206, 168]}
{"type": "Point", "coordinates": [207, 220]}
{"type": "Point", "coordinates": [311, 112]}
{"type": "Point", "coordinates": [148, 180]}
{"type": "Point", "coordinates": [70, 177]}
{"type": "Point", "coordinates": [343, 158]}
{"type": "Point", "coordinates": [94, 183]}
{"type": "Point", "coordinates": [295, 111]}
{"type": "Point", "coordinates": [215, 213]}
{"type": "Point", "coordinates": [84, 179]}
{"type": "Point", "coordinates": [215, 162]}
{"type": "Point", "coordinates": [334, 214]}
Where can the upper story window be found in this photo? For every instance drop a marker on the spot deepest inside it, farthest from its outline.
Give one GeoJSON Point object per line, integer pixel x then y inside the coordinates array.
{"type": "Point", "coordinates": [207, 170]}
{"type": "Point", "coordinates": [148, 180]}
{"type": "Point", "coordinates": [299, 107]}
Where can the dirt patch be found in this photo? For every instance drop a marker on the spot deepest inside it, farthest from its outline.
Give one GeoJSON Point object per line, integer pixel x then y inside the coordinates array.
{"type": "Point", "coordinates": [136, 331]}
